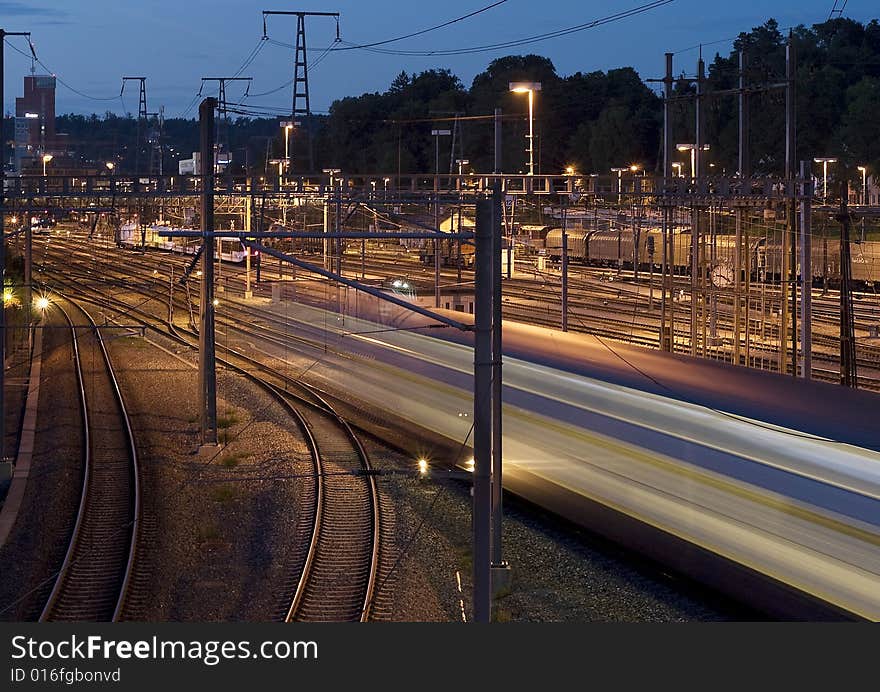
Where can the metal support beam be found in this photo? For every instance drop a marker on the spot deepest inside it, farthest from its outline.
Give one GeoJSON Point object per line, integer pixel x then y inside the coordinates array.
{"type": "Point", "coordinates": [564, 269]}
{"type": "Point", "coordinates": [207, 356]}
{"type": "Point", "coordinates": [499, 566]}
{"type": "Point", "coordinates": [497, 167]}
{"type": "Point", "coordinates": [791, 174]}
{"type": "Point", "coordinates": [806, 276]}
{"type": "Point", "coordinates": [666, 340]}
{"type": "Point", "coordinates": [741, 250]}
{"type": "Point", "coordinates": [482, 491]}
{"type": "Point", "coordinates": [848, 372]}
{"type": "Point", "coordinates": [3, 35]}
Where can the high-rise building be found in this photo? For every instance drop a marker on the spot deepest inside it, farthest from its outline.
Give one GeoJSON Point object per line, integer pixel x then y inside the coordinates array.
{"type": "Point", "coordinates": [35, 120]}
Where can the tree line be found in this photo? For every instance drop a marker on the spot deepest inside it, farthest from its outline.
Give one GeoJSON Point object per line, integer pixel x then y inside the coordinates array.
{"type": "Point", "coordinates": [593, 121]}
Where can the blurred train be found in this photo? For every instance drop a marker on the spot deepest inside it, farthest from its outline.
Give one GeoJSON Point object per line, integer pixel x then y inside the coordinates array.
{"type": "Point", "coordinates": [613, 248]}
{"type": "Point", "coordinates": [132, 235]}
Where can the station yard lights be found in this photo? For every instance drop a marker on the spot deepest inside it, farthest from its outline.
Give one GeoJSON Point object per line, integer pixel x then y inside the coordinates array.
{"type": "Point", "coordinates": [332, 172]}
{"type": "Point", "coordinates": [287, 125]}
{"type": "Point", "coordinates": [569, 170]}
{"type": "Point", "coordinates": [693, 149]}
{"type": "Point", "coordinates": [280, 164]}
{"type": "Point", "coordinates": [42, 303]}
{"type": "Point", "coordinates": [437, 134]}
{"type": "Point", "coordinates": [864, 171]}
{"type": "Point", "coordinates": [530, 88]}
{"type": "Point", "coordinates": [825, 160]}
{"type": "Point", "coordinates": [46, 159]}
{"type": "Point", "coordinates": [110, 166]}
{"type": "Point", "coordinates": [620, 172]}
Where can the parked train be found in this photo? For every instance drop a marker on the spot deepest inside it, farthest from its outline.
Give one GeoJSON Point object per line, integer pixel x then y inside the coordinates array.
{"type": "Point", "coordinates": [132, 235]}
{"type": "Point", "coordinates": [611, 248]}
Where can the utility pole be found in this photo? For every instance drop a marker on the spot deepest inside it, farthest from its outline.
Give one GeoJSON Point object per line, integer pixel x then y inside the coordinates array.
{"type": "Point", "coordinates": [497, 168]}
{"type": "Point", "coordinates": [500, 569]}
{"type": "Point", "coordinates": [666, 235]}
{"type": "Point", "coordinates": [437, 245]}
{"type": "Point", "coordinates": [301, 103]}
{"type": "Point", "coordinates": [788, 275]}
{"type": "Point", "coordinates": [742, 243]}
{"type": "Point", "coordinates": [3, 35]}
{"type": "Point", "coordinates": [806, 275]}
{"type": "Point", "coordinates": [207, 356]}
{"type": "Point", "coordinates": [249, 225]}
{"type": "Point", "coordinates": [223, 107]}
{"type": "Point", "coordinates": [564, 267]}
{"type": "Point", "coordinates": [142, 117]}
{"type": "Point", "coordinates": [482, 489]}
{"type": "Point", "coordinates": [697, 154]}
{"type": "Point", "coordinates": [848, 374]}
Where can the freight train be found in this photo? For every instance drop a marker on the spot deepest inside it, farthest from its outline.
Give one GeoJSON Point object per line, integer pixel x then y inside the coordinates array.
{"type": "Point", "coordinates": [612, 248]}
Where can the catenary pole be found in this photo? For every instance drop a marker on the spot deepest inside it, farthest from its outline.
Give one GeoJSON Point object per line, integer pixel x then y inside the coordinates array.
{"type": "Point", "coordinates": [482, 491]}
{"type": "Point", "coordinates": [207, 355]}
{"type": "Point", "coordinates": [3, 35]}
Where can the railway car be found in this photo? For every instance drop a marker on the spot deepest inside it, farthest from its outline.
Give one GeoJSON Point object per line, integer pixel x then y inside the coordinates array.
{"type": "Point", "coordinates": [452, 253]}
{"type": "Point", "coordinates": [134, 236]}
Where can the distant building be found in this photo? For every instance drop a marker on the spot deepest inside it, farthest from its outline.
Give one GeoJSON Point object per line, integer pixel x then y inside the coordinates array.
{"type": "Point", "coordinates": [193, 166]}
{"type": "Point", "coordinates": [35, 122]}
{"type": "Point", "coordinates": [190, 166]}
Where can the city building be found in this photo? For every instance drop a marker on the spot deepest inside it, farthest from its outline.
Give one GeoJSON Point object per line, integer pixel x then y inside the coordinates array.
{"type": "Point", "coordinates": [35, 133]}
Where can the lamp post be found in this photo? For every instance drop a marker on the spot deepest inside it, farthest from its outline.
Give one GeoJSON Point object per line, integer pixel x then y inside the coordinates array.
{"type": "Point", "coordinates": [46, 159]}
{"type": "Point", "coordinates": [530, 88]}
{"type": "Point", "coordinates": [619, 172]}
{"type": "Point", "coordinates": [864, 171]}
{"type": "Point", "coordinates": [693, 149]}
{"type": "Point", "coordinates": [332, 172]}
{"type": "Point", "coordinates": [825, 160]}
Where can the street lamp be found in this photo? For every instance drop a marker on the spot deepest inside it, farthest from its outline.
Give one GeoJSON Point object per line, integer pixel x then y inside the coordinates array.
{"type": "Point", "coordinates": [280, 164]}
{"type": "Point", "coordinates": [530, 88]}
{"type": "Point", "coordinates": [825, 160]}
{"type": "Point", "coordinates": [46, 159]}
{"type": "Point", "coordinates": [331, 172]}
{"type": "Point", "coordinates": [288, 126]}
{"type": "Point", "coordinates": [864, 171]}
{"type": "Point", "coordinates": [437, 134]}
{"type": "Point", "coordinates": [693, 149]}
{"type": "Point", "coordinates": [619, 172]}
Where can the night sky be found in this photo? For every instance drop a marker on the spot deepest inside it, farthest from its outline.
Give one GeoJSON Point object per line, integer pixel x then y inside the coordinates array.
{"type": "Point", "coordinates": [91, 44]}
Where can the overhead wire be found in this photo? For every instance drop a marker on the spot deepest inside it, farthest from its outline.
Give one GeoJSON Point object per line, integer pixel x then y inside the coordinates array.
{"type": "Point", "coordinates": [536, 38]}
{"type": "Point", "coordinates": [33, 56]}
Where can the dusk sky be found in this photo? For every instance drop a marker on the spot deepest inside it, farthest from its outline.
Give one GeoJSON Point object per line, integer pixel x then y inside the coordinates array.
{"type": "Point", "coordinates": [91, 44]}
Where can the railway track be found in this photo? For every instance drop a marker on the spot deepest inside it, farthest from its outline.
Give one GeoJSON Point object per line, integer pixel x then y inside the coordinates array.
{"type": "Point", "coordinates": [338, 578]}
{"type": "Point", "coordinates": [338, 581]}
{"type": "Point", "coordinates": [633, 326]}
{"type": "Point", "coordinates": [93, 582]}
